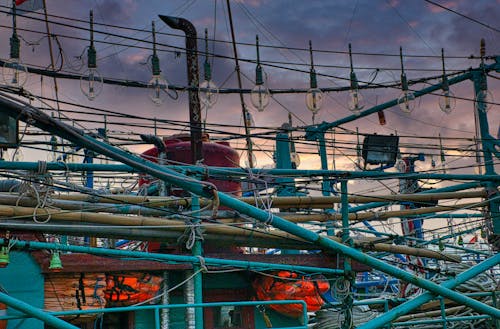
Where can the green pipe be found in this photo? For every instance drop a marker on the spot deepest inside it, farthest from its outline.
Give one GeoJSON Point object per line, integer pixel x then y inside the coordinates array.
{"type": "Point", "coordinates": [176, 306]}
{"type": "Point", "coordinates": [197, 252]}
{"type": "Point", "coordinates": [35, 312]}
{"type": "Point", "coordinates": [458, 187]}
{"type": "Point", "coordinates": [45, 122]}
{"type": "Point", "coordinates": [237, 172]}
{"type": "Point", "coordinates": [167, 258]}
{"type": "Point", "coordinates": [443, 321]}
{"type": "Point", "coordinates": [407, 307]}
{"type": "Point", "coordinates": [345, 222]}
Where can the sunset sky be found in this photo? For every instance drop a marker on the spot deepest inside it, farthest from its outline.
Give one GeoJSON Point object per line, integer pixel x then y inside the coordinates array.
{"type": "Point", "coordinates": [376, 27]}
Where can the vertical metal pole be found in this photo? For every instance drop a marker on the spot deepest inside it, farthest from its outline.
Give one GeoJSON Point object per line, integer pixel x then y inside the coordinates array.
{"type": "Point", "coordinates": [240, 86]}
{"type": "Point", "coordinates": [198, 284]}
{"type": "Point", "coordinates": [165, 300]}
{"type": "Point", "coordinates": [480, 87]}
{"type": "Point", "coordinates": [348, 273]}
{"type": "Point", "coordinates": [325, 188]}
{"type": "Point", "coordinates": [193, 82]}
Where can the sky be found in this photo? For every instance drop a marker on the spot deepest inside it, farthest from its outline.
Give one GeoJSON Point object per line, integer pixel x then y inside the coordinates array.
{"type": "Point", "coordinates": [284, 29]}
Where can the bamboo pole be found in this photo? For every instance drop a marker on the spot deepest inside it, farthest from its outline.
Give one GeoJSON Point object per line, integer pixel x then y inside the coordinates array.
{"type": "Point", "coordinates": [276, 236]}
{"type": "Point", "coordinates": [298, 202]}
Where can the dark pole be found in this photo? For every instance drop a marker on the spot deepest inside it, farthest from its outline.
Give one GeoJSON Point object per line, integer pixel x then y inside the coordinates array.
{"type": "Point", "coordinates": [193, 81]}
{"type": "Point", "coordinates": [240, 85]}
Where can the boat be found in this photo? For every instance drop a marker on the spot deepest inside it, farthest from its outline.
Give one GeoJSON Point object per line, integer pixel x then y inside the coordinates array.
{"type": "Point", "coordinates": [141, 221]}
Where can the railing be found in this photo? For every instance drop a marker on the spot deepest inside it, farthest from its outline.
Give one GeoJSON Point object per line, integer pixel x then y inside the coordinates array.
{"type": "Point", "coordinates": [158, 308]}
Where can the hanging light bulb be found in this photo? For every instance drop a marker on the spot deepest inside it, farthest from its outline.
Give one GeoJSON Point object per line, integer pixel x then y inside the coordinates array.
{"type": "Point", "coordinates": [406, 99]}
{"type": "Point", "coordinates": [209, 93]}
{"type": "Point", "coordinates": [208, 90]}
{"type": "Point", "coordinates": [295, 158]}
{"type": "Point", "coordinates": [484, 98]}
{"type": "Point", "coordinates": [157, 85]}
{"type": "Point", "coordinates": [260, 94]}
{"type": "Point", "coordinates": [447, 100]}
{"type": "Point", "coordinates": [14, 73]}
{"type": "Point", "coordinates": [314, 96]}
{"type": "Point", "coordinates": [91, 81]}
{"type": "Point", "coordinates": [355, 97]}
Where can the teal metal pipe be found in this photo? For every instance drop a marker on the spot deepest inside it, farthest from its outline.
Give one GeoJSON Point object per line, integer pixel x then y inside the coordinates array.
{"type": "Point", "coordinates": [176, 306]}
{"type": "Point", "coordinates": [238, 172]}
{"type": "Point", "coordinates": [454, 188]}
{"type": "Point", "coordinates": [35, 312]}
{"type": "Point", "coordinates": [407, 307]}
{"type": "Point", "coordinates": [167, 258]}
{"type": "Point", "coordinates": [198, 284]}
{"type": "Point", "coordinates": [323, 127]}
{"type": "Point", "coordinates": [45, 122]}
{"type": "Point", "coordinates": [443, 321]}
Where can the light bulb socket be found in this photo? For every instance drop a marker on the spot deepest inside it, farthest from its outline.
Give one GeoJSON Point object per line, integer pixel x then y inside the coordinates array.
{"type": "Point", "coordinates": [15, 45]}
{"type": "Point", "coordinates": [155, 65]}
{"type": "Point", "coordinates": [55, 263]}
{"type": "Point", "coordinates": [91, 58]}
{"type": "Point", "coordinates": [207, 69]}
{"type": "Point", "coordinates": [258, 76]}
{"type": "Point", "coordinates": [354, 81]}
{"type": "Point", "coordinates": [404, 82]}
{"type": "Point", "coordinates": [445, 85]}
{"type": "Point", "coordinates": [312, 78]}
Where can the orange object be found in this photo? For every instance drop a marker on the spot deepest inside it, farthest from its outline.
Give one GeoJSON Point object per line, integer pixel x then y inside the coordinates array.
{"type": "Point", "coordinates": [3, 311]}
{"type": "Point", "coordinates": [285, 285]}
{"type": "Point", "coordinates": [133, 288]}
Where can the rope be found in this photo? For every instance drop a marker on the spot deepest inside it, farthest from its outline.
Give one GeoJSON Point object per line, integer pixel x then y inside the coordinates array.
{"type": "Point", "coordinates": [38, 185]}
{"type": "Point", "coordinates": [192, 233]}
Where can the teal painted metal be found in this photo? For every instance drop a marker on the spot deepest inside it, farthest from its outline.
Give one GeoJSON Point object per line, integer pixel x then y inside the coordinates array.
{"type": "Point", "coordinates": [283, 161]}
{"type": "Point", "coordinates": [443, 321]}
{"type": "Point", "coordinates": [17, 244]}
{"type": "Point", "coordinates": [345, 221]}
{"type": "Point", "coordinates": [198, 280]}
{"type": "Point", "coordinates": [21, 270]}
{"type": "Point", "coordinates": [35, 312]}
{"type": "Point", "coordinates": [324, 126]}
{"type": "Point", "coordinates": [408, 306]}
{"type": "Point", "coordinates": [458, 187]}
{"type": "Point", "coordinates": [237, 172]}
{"type": "Point", "coordinates": [43, 121]}
{"type": "Point", "coordinates": [488, 142]}
{"type": "Point", "coordinates": [177, 306]}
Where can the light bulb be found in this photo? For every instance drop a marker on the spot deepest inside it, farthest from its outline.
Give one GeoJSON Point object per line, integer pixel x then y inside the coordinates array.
{"type": "Point", "coordinates": [250, 123]}
{"type": "Point", "coordinates": [355, 99]}
{"type": "Point", "coordinates": [406, 101]}
{"type": "Point", "coordinates": [314, 99]}
{"type": "Point", "coordinates": [487, 97]}
{"type": "Point", "coordinates": [208, 92]}
{"type": "Point", "coordinates": [91, 83]}
{"type": "Point", "coordinates": [14, 73]}
{"type": "Point", "coordinates": [157, 87]}
{"type": "Point", "coordinates": [356, 165]}
{"type": "Point", "coordinates": [295, 158]}
{"type": "Point", "coordinates": [447, 101]}
{"type": "Point", "coordinates": [260, 97]}
{"type": "Point", "coordinates": [244, 156]}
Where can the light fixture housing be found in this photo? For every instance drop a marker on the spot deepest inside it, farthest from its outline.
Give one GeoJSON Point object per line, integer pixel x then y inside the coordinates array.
{"type": "Point", "coordinates": [55, 262]}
